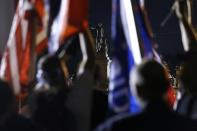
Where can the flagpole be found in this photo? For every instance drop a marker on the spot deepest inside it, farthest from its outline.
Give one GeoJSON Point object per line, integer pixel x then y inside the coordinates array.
{"type": "Point", "coordinates": [189, 34]}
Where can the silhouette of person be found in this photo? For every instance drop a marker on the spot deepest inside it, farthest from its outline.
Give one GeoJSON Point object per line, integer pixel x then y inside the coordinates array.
{"type": "Point", "coordinates": [187, 105]}
{"type": "Point", "coordinates": [149, 84]}
{"type": "Point", "coordinates": [9, 118]}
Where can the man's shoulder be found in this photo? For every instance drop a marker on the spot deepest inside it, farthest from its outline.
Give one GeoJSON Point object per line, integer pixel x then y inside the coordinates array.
{"type": "Point", "coordinates": [145, 121]}
{"type": "Point", "coordinates": [117, 120]}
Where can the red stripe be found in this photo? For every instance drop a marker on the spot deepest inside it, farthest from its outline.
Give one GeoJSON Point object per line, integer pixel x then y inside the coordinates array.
{"type": "Point", "coordinates": [24, 54]}
{"type": "Point", "coordinates": [26, 58]}
{"type": "Point", "coordinates": [19, 48]}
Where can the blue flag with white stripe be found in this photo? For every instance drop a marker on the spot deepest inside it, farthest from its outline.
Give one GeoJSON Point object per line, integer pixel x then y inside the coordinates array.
{"type": "Point", "coordinates": [142, 30]}
{"type": "Point", "coordinates": [122, 63]}
{"type": "Point", "coordinates": [129, 30]}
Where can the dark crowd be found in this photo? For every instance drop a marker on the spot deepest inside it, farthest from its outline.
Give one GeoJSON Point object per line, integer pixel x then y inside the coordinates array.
{"type": "Point", "coordinates": [82, 105]}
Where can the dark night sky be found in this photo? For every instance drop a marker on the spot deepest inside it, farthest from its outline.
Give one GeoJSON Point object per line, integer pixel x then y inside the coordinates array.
{"type": "Point", "coordinates": [168, 37]}
{"type": "Point", "coordinates": [100, 11]}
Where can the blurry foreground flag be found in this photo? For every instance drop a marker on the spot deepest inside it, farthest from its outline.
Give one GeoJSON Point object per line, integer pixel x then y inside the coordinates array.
{"type": "Point", "coordinates": [132, 38]}
{"type": "Point", "coordinates": [26, 34]}
{"type": "Point", "coordinates": [70, 27]}
{"type": "Point", "coordinates": [126, 55]}
{"type": "Point", "coordinates": [72, 22]}
{"type": "Point", "coordinates": [71, 19]}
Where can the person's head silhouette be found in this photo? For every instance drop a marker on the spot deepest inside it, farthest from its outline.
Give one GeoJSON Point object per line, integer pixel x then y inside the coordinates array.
{"type": "Point", "coordinates": [188, 81]}
{"type": "Point", "coordinates": [149, 81]}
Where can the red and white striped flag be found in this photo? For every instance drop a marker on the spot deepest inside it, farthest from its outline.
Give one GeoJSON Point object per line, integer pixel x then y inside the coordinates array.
{"type": "Point", "coordinates": [17, 58]}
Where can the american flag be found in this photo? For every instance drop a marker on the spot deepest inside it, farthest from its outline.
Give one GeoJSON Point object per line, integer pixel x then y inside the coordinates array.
{"type": "Point", "coordinates": [25, 36]}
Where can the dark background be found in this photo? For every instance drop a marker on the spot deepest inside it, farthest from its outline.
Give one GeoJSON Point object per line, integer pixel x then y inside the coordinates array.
{"type": "Point", "coordinates": [167, 37]}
